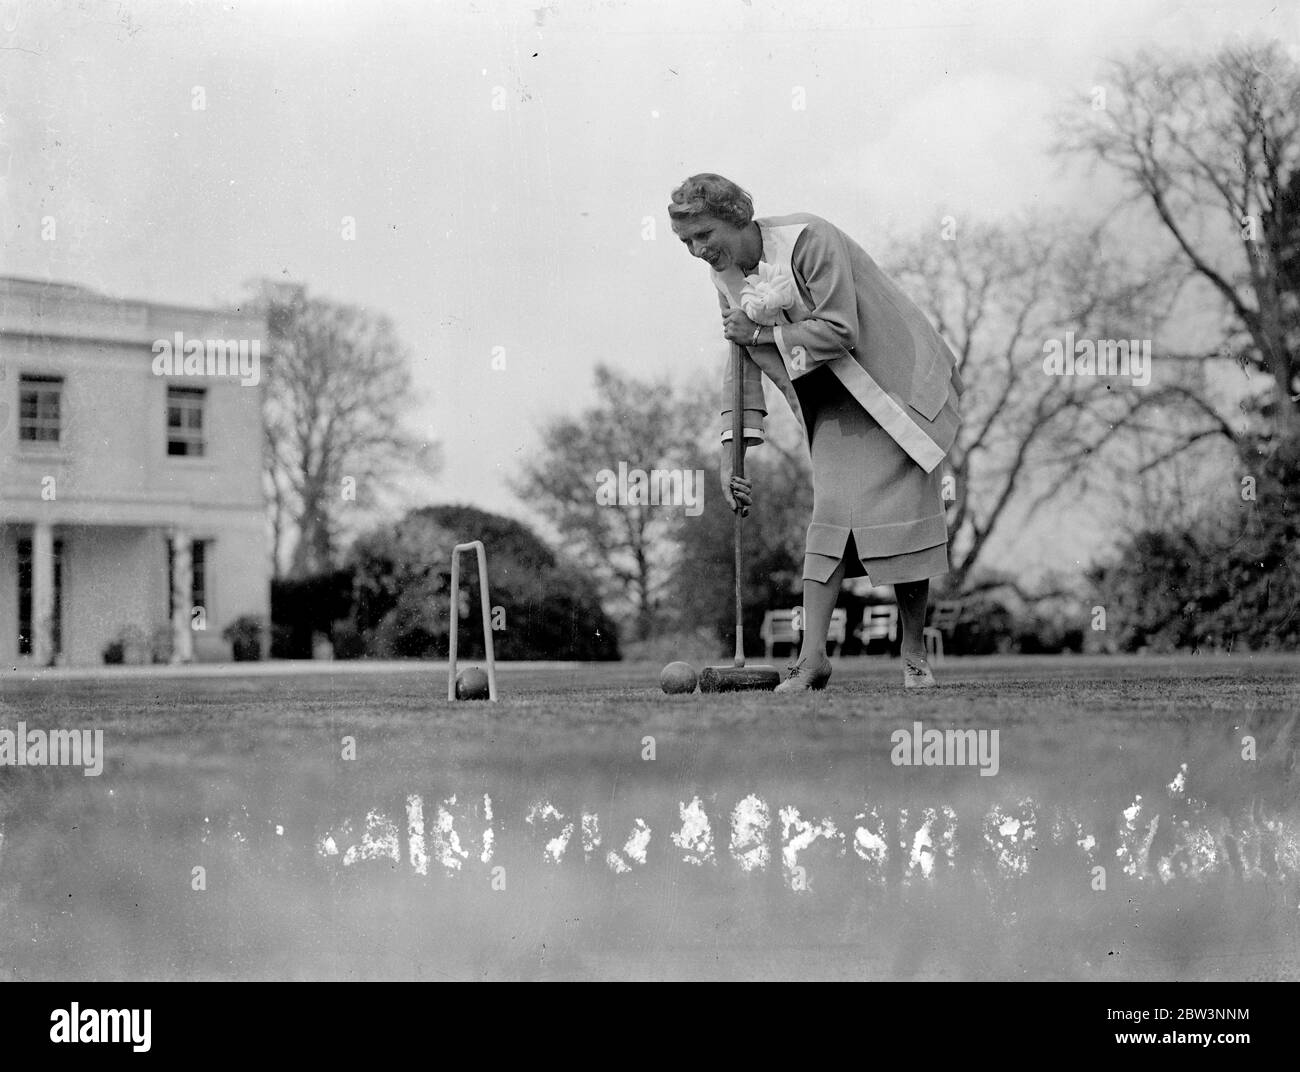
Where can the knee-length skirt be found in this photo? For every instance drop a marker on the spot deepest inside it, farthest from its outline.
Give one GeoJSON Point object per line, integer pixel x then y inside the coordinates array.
{"type": "Point", "coordinates": [869, 497]}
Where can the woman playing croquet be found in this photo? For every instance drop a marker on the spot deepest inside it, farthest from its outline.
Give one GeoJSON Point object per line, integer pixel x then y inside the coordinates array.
{"type": "Point", "coordinates": [870, 380]}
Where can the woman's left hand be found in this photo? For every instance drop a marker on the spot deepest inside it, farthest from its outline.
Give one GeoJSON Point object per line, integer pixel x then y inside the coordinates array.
{"type": "Point", "coordinates": [737, 327]}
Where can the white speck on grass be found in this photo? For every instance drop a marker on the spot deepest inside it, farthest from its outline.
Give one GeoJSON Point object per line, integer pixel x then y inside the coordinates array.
{"type": "Point", "coordinates": [379, 842]}
{"type": "Point", "coordinates": [489, 836]}
{"type": "Point", "coordinates": [750, 822]}
{"type": "Point", "coordinates": [416, 852]}
{"type": "Point", "coordinates": [1195, 855]}
{"type": "Point", "coordinates": [446, 842]}
{"type": "Point", "coordinates": [695, 838]}
{"type": "Point", "coordinates": [556, 846]}
{"type": "Point", "coordinates": [922, 852]}
{"type": "Point", "coordinates": [871, 845]}
{"type": "Point", "coordinates": [1286, 845]}
{"type": "Point", "coordinates": [1178, 787]}
{"type": "Point", "coordinates": [1066, 830]}
{"type": "Point", "coordinates": [1135, 846]}
{"type": "Point", "coordinates": [797, 834]}
{"type": "Point", "coordinates": [1250, 847]}
{"type": "Point", "coordinates": [1165, 869]}
{"type": "Point", "coordinates": [1012, 838]}
{"type": "Point", "coordinates": [327, 846]}
{"type": "Point", "coordinates": [634, 849]}
{"type": "Point", "coordinates": [638, 842]}
{"type": "Point", "coordinates": [590, 833]}
{"type": "Point", "coordinates": [1063, 826]}
{"type": "Point", "coordinates": [934, 841]}
{"type": "Point", "coordinates": [544, 811]}
{"type": "Point", "coordinates": [945, 844]}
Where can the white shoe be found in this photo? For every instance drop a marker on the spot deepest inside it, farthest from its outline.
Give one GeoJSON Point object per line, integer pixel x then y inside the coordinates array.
{"type": "Point", "coordinates": [916, 673]}
{"type": "Point", "coordinates": [804, 676]}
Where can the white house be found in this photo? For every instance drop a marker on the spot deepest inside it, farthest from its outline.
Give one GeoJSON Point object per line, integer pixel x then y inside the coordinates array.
{"type": "Point", "coordinates": [131, 502]}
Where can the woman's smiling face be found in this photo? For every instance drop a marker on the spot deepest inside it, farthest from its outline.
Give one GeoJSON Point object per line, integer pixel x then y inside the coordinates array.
{"type": "Point", "coordinates": [714, 241]}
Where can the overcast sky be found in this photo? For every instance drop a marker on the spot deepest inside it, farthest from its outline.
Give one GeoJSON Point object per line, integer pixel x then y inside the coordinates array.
{"type": "Point", "coordinates": [522, 227]}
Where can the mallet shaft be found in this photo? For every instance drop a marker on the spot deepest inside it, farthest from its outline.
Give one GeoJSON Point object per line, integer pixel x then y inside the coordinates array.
{"type": "Point", "coordinates": [738, 468]}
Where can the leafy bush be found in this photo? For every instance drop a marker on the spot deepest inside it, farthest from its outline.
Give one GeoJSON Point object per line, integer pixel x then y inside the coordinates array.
{"type": "Point", "coordinates": [348, 641]}
{"type": "Point", "coordinates": [131, 647]}
{"type": "Point", "coordinates": [402, 588]}
{"type": "Point", "coordinates": [284, 642]}
{"type": "Point", "coordinates": [987, 627]}
{"type": "Point", "coordinates": [305, 606]}
{"type": "Point", "coordinates": [1046, 636]}
{"type": "Point", "coordinates": [1230, 580]}
{"type": "Point", "coordinates": [244, 635]}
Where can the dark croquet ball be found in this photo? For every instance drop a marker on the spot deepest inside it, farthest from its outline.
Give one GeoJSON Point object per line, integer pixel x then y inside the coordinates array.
{"type": "Point", "coordinates": [471, 684]}
{"type": "Point", "coordinates": [678, 677]}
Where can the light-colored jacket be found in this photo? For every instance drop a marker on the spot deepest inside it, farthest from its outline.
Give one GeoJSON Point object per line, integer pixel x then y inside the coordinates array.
{"type": "Point", "coordinates": [854, 319]}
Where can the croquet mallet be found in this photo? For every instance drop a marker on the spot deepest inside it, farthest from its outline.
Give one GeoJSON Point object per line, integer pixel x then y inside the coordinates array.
{"type": "Point", "coordinates": [738, 677]}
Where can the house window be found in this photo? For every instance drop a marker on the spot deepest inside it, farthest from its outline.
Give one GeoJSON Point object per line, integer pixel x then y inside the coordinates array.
{"type": "Point", "coordinates": [25, 598]}
{"type": "Point", "coordinates": [198, 576]}
{"type": "Point", "coordinates": [39, 406]}
{"type": "Point", "coordinates": [185, 421]}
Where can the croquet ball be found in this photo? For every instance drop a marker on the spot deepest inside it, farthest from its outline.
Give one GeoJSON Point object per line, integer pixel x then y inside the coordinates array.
{"type": "Point", "coordinates": [471, 684]}
{"type": "Point", "coordinates": [678, 677]}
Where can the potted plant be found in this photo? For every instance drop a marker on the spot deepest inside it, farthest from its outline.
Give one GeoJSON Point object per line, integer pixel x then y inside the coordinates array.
{"type": "Point", "coordinates": [244, 635]}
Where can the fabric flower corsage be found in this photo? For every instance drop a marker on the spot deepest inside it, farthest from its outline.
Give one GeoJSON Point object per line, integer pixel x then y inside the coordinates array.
{"type": "Point", "coordinates": [766, 293]}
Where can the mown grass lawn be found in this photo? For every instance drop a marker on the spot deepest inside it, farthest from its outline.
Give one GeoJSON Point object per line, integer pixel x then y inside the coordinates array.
{"type": "Point", "coordinates": [418, 858]}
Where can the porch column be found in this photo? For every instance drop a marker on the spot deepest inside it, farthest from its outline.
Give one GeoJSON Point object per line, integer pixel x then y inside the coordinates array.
{"type": "Point", "coordinates": [43, 593]}
{"type": "Point", "coordinates": [182, 586]}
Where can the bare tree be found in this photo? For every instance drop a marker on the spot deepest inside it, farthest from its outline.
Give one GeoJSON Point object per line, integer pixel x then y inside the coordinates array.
{"type": "Point", "coordinates": [629, 546]}
{"type": "Point", "coordinates": [998, 294]}
{"type": "Point", "coordinates": [337, 385]}
{"type": "Point", "coordinates": [1210, 148]}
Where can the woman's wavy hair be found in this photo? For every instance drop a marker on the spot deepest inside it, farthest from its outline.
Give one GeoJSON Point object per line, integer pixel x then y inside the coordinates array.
{"type": "Point", "coordinates": [712, 195]}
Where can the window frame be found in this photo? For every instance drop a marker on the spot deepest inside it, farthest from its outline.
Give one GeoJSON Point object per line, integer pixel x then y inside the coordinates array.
{"type": "Point", "coordinates": [44, 386]}
{"type": "Point", "coordinates": [186, 400]}
{"type": "Point", "coordinates": [25, 579]}
{"type": "Point", "coordinates": [200, 571]}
